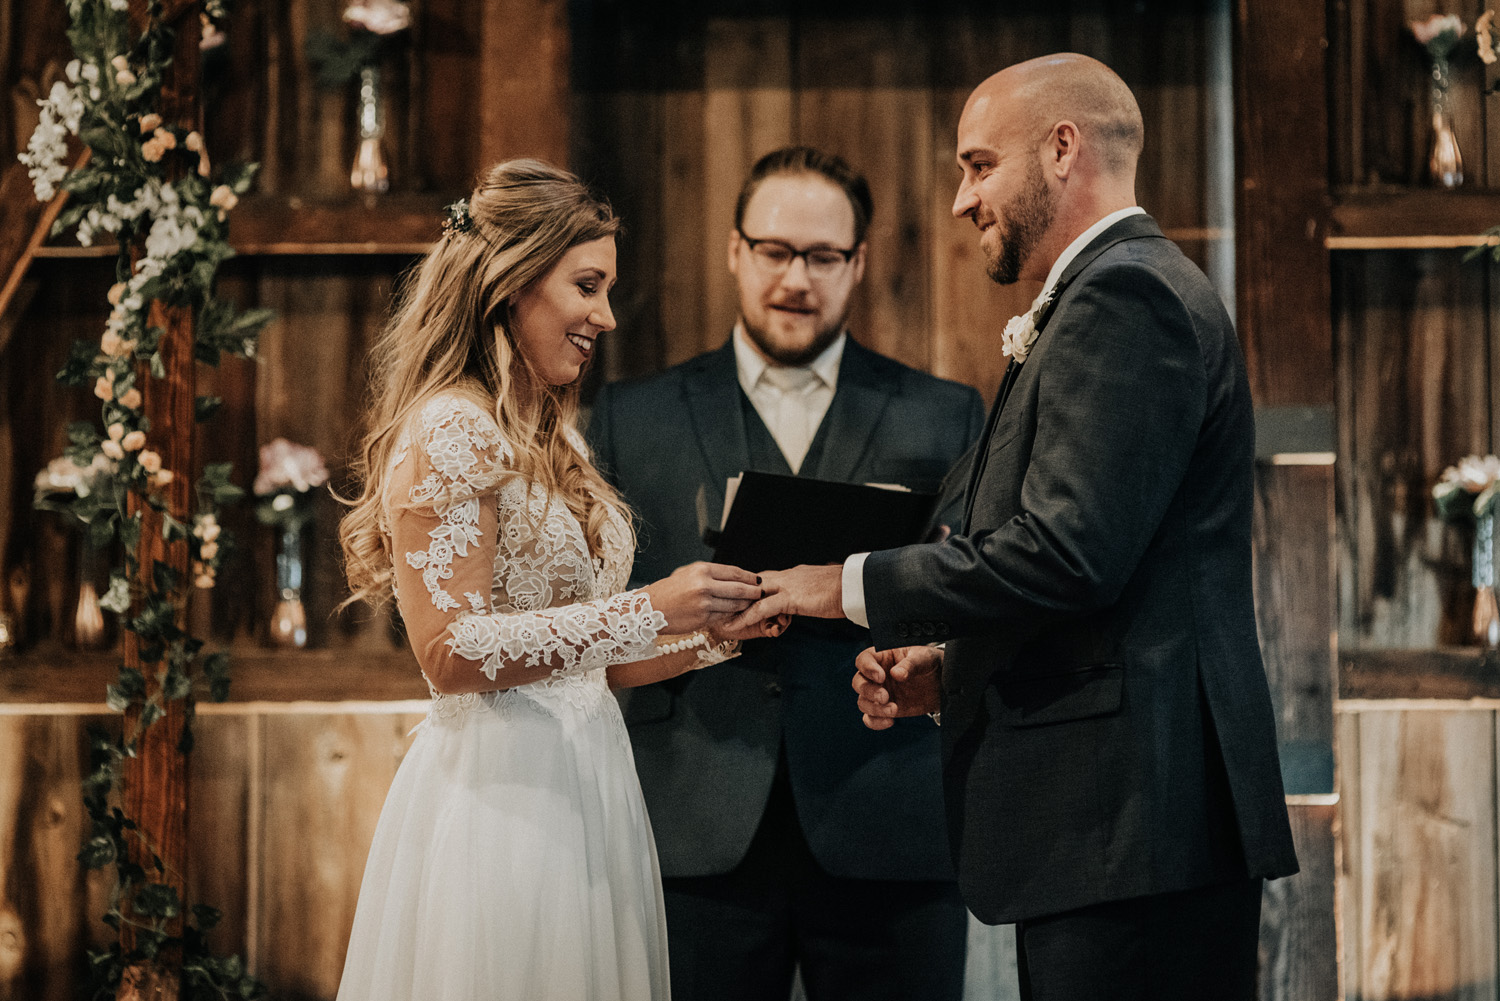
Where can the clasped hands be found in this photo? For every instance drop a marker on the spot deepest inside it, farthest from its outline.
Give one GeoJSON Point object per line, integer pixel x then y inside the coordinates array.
{"type": "Point", "coordinates": [735, 604]}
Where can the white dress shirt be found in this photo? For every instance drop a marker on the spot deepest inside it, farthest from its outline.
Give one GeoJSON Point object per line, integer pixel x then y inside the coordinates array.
{"type": "Point", "coordinates": [854, 566]}
{"type": "Point", "coordinates": [792, 401]}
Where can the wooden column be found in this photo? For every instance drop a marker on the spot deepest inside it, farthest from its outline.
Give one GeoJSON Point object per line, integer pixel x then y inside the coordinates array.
{"type": "Point", "coordinates": [155, 779]}
{"type": "Point", "coordinates": [1285, 325]}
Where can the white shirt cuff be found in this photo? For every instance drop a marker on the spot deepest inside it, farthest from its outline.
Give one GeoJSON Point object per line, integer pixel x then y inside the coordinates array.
{"type": "Point", "coordinates": [854, 590]}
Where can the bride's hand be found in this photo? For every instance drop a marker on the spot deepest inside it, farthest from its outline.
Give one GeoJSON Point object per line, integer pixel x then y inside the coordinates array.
{"type": "Point", "coordinates": [737, 629]}
{"type": "Point", "coordinates": [701, 594]}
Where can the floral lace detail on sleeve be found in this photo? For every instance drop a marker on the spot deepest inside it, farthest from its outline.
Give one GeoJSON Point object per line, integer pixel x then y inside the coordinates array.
{"type": "Point", "coordinates": [466, 452]}
{"type": "Point", "coordinates": [581, 637]}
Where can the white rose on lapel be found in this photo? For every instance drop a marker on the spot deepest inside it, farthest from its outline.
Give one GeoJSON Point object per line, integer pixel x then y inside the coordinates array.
{"type": "Point", "coordinates": [1020, 332]}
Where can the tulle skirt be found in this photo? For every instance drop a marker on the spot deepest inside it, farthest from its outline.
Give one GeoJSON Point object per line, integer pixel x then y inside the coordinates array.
{"type": "Point", "coordinates": [513, 859]}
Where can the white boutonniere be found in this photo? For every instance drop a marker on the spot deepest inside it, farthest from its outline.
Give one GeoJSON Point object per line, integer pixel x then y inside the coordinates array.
{"type": "Point", "coordinates": [1021, 331]}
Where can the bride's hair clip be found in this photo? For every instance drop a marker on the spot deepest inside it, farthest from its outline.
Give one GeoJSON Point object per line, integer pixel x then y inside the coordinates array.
{"type": "Point", "coordinates": [457, 218]}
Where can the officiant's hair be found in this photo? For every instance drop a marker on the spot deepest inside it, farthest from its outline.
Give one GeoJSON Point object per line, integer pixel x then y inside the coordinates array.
{"type": "Point", "coordinates": [806, 160]}
{"type": "Point", "coordinates": [450, 334]}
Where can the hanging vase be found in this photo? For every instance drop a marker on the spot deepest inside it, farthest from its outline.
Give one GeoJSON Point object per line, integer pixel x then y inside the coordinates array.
{"type": "Point", "coordinates": [1486, 611]}
{"type": "Point", "coordinates": [289, 621]}
{"type": "Point", "coordinates": [1445, 165]}
{"type": "Point", "coordinates": [369, 172]}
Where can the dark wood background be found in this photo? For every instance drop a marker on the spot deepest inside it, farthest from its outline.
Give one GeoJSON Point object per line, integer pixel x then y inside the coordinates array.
{"type": "Point", "coordinates": [1285, 152]}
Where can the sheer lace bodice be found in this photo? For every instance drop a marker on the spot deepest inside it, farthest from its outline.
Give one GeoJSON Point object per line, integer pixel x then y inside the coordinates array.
{"type": "Point", "coordinates": [493, 574]}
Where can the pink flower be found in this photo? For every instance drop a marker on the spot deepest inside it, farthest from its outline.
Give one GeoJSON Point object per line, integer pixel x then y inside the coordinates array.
{"type": "Point", "coordinates": [131, 398]}
{"type": "Point", "coordinates": [104, 388]}
{"type": "Point", "coordinates": [150, 123]}
{"type": "Point", "coordinates": [1439, 33]}
{"type": "Point", "coordinates": [112, 449]}
{"type": "Point", "coordinates": [382, 17]}
{"type": "Point", "coordinates": [150, 461]}
{"type": "Point", "coordinates": [284, 464]}
{"type": "Point", "coordinates": [134, 441]}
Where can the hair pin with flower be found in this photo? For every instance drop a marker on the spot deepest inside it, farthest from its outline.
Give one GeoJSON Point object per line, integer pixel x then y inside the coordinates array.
{"type": "Point", "coordinates": [457, 218]}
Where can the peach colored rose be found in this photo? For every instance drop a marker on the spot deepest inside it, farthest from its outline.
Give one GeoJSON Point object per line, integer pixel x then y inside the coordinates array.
{"type": "Point", "coordinates": [104, 388]}
{"type": "Point", "coordinates": [150, 461]}
{"type": "Point", "coordinates": [112, 449]}
{"type": "Point", "coordinates": [150, 123]}
{"type": "Point", "coordinates": [134, 441]}
{"type": "Point", "coordinates": [131, 398]}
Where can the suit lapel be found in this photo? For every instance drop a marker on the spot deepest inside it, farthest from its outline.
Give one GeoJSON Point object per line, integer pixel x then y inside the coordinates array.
{"type": "Point", "coordinates": [713, 398]}
{"type": "Point", "coordinates": [1130, 228]}
{"type": "Point", "coordinates": [858, 404]}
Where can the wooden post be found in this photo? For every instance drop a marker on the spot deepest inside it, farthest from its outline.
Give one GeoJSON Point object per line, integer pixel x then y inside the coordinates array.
{"type": "Point", "coordinates": [155, 779]}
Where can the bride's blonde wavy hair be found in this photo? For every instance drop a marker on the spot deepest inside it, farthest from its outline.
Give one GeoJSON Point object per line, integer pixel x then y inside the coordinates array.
{"type": "Point", "coordinates": [450, 334]}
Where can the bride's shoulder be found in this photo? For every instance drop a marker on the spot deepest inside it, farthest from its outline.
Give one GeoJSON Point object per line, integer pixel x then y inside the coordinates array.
{"type": "Point", "coordinates": [452, 429]}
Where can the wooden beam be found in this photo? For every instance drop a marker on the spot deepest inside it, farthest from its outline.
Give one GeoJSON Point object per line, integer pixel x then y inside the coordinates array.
{"type": "Point", "coordinates": [156, 777]}
{"type": "Point", "coordinates": [24, 224]}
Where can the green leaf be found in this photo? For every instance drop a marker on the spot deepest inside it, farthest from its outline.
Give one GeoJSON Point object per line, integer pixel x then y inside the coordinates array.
{"type": "Point", "coordinates": [101, 532]}
{"type": "Point", "coordinates": [116, 699]}
{"type": "Point", "coordinates": [158, 370]}
{"type": "Point", "coordinates": [165, 576]}
{"type": "Point", "coordinates": [205, 407]}
{"type": "Point", "coordinates": [228, 494]}
{"type": "Point", "coordinates": [172, 529]}
{"type": "Point", "coordinates": [176, 685]}
{"type": "Point", "coordinates": [150, 713]}
{"type": "Point", "coordinates": [98, 852]}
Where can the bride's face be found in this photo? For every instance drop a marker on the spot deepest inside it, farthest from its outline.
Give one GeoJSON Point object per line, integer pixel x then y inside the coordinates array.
{"type": "Point", "coordinates": [556, 320]}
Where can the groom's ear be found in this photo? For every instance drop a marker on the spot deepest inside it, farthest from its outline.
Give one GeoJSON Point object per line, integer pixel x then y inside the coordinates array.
{"type": "Point", "coordinates": [1063, 147]}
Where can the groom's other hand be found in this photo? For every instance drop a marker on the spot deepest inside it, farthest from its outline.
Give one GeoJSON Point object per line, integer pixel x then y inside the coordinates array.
{"type": "Point", "coordinates": [902, 681]}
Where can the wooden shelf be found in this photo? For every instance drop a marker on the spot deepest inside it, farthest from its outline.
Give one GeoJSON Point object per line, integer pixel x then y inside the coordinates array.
{"type": "Point", "coordinates": [1411, 219]}
{"type": "Point", "coordinates": [51, 680]}
{"type": "Point", "coordinates": [266, 225]}
{"type": "Point", "coordinates": [1449, 673]}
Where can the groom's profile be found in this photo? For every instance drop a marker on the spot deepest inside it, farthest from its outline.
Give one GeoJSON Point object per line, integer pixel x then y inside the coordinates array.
{"type": "Point", "coordinates": [1109, 746]}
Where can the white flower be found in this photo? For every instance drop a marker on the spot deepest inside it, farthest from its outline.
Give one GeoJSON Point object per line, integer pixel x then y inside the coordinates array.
{"type": "Point", "coordinates": [1021, 330]}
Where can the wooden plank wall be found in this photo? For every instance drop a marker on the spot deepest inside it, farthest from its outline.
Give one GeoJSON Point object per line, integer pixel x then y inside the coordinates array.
{"type": "Point", "coordinates": [673, 103]}
{"type": "Point", "coordinates": [284, 807]}
{"type": "Point", "coordinates": [1418, 873]}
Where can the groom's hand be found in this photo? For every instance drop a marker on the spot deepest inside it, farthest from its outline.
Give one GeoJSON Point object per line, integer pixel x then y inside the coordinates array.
{"type": "Point", "coordinates": [904, 681]}
{"type": "Point", "coordinates": [816, 591]}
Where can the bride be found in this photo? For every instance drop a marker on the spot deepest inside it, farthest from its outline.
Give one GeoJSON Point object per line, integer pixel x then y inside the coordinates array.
{"type": "Point", "coordinates": [513, 858]}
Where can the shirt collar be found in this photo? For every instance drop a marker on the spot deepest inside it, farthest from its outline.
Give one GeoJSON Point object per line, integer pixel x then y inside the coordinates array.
{"type": "Point", "coordinates": [751, 363]}
{"type": "Point", "coordinates": [1083, 240]}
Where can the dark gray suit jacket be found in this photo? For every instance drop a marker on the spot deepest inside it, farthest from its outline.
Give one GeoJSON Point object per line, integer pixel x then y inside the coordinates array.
{"type": "Point", "coordinates": [1107, 726]}
{"type": "Point", "coordinates": [706, 744]}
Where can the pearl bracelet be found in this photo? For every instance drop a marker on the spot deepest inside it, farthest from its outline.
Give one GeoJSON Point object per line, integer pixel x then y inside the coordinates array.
{"type": "Point", "coordinates": [715, 654]}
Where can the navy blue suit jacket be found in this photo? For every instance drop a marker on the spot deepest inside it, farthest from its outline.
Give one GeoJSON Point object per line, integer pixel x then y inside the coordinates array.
{"type": "Point", "coordinates": [706, 744]}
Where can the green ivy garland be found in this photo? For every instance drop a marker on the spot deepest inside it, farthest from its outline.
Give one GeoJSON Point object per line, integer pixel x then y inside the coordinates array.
{"type": "Point", "coordinates": [126, 190]}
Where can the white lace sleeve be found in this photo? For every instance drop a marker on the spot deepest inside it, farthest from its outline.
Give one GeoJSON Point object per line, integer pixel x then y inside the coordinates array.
{"type": "Point", "coordinates": [496, 567]}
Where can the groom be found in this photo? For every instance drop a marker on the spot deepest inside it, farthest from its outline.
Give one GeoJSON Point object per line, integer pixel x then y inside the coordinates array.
{"type": "Point", "coordinates": [1109, 746]}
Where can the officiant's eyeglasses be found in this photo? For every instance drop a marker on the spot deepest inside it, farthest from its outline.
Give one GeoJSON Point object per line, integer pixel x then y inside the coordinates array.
{"type": "Point", "coordinates": [775, 257]}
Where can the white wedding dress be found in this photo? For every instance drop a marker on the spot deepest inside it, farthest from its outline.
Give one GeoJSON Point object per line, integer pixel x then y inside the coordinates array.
{"type": "Point", "coordinates": [513, 858]}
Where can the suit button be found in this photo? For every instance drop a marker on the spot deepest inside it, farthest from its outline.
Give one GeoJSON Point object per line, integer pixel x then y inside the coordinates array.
{"type": "Point", "coordinates": [942, 629]}
{"type": "Point", "coordinates": [902, 630]}
{"type": "Point", "coordinates": [773, 689]}
{"type": "Point", "coordinates": [928, 629]}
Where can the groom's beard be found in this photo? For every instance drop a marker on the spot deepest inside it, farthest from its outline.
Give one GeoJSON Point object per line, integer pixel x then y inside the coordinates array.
{"type": "Point", "coordinates": [1026, 219]}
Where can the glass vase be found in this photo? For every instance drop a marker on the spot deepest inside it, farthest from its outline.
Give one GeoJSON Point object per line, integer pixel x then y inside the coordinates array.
{"type": "Point", "coordinates": [1445, 165]}
{"type": "Point", "coordinates": [369, 173]}
{"type": "Point", "coordinates": [88, 614]}
{"type": "Point", "coordinates": [289, 620]}
{"type": "Point", "coordinates": [1486, 611]}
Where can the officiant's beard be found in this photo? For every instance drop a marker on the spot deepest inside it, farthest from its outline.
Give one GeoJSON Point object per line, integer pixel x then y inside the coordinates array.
{"type": "Point", "coordinates": [1025, 220]}
{"type": "Point", "coordinates": [790, 355]}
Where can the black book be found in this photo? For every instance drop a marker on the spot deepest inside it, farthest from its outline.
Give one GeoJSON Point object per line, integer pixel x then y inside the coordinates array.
{"type": "Point", "coordinates": [775, 522]}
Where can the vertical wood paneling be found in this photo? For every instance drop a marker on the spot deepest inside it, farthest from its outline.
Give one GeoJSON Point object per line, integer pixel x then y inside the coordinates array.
{"type": "Point", "coordinates": [325, 778]}
{"type": "Point", "coordinates": [1422, 833]}
{"type": "Point", "coordinates": [748, 111]}
{"type": "Point", "coordinates": [1294, 604]}
{"type": "Point", "coordinates": [863, 94]}
{"type": "Point", "coordinates": [1298, 938]}
{"type": "Point", "coordinates": [1414, 397]}
{"type": "Point", "coordinates": [42, 887]}
{"type": "Point", "coordinates": [219, 784]}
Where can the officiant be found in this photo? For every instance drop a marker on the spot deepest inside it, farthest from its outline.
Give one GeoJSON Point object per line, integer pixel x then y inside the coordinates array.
{"type": "Point", "coordinates": [761, 782]}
